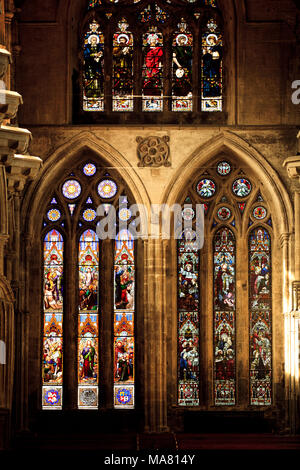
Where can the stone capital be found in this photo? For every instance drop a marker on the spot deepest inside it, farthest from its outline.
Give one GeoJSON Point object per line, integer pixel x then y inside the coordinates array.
{"type": "Point", "coordinates": [19, 170]}
{"type": "Point", "coordinates": [292, 165]}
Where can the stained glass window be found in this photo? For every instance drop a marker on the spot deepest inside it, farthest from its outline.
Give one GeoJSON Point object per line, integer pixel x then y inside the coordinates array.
{"type": "Point", "coordinates": [212, 53]}
{"type": "Point", "coordinates": [260, 292]}
{"type": "Point", "coordinates": [224, 317]}
{"type": "Point", "coordinates": [152, 95]}
{"type": "Point", "coordinates": [188, 323]}
{"type": "Point", "coordinates": [95, 308]}
{"type": "Point", "coordinates": [52, 360]}
{"type": "Point", "coordinates": [123, 68]}
{"type": "Point", "coordinates": [93, 76]}
{"type": "Point", "coordinates": [88, 320]}
{"type": "Point", "coordinates": [182, 73]}
{"type": "Point", "coordinates": [124, 312]}
{"type": "Point", "coordinates": [160, 69]}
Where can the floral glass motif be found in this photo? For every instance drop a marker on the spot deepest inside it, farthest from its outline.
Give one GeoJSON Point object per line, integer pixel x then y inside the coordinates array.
{"type": "Point", "coordinates": [107, 189]}
{"type": "Point", "coordinates": [54, 215]}
{"type": "Point", "coordinates": [93, 69]}
{"type": "Point", "coordinates": [241, 187]}
{"type": "Point", "coordinates": [94, 4]}
{"type": "Point", "coordinates": [122, 68]}
{"type": "Point", "coordinates": [124, 214]}
{"type": "Point", "coordinates": [160, 15]}
{"type": "Point", "coordinates": [223, 168]}
{"type": "Point", "coordinates": [206, 188]}
{"type": "Point", "coordinates": [124, 312]}
{"type": "Point", "coordinates": [224, 213]}
{"type": "Point", "coordinates": [188, 213]}
{"type": "Point", "coordinates": [182, 59]}
{"type": "Point", "coordinates": [188, 323]}
{"type": "Point", "coordinates": [52, 360]}
{"type": "Point", "coordinates": [259, 213]}
{"type": "Point", "coordinates": [71, 189]}
{"type": "Point", "coordinates": [89, 215]}
{"type": "Point", "coordinates": [224, 317]}
{"type": "Point", "coordinates": [260, 304]}
{"type": "Point", "coordinates": [88, 265]}
{"type": "Point", "coordinates": [211, 68]}
{"type": "Point", "coordinates": [152, 73]}
{"type": "Point", "coordinates": [89, 169]}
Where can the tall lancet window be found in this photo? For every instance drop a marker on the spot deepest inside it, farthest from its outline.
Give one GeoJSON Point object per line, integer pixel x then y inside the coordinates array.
{"type": "Point", "coordinates": [182, 72]}
{"type": "Point", "coordinates": [124, 310]}
{"type": "Point", "coordinates": [224, 317]}
{"type": "Point", "coordinates": [93, 69]}
{"type": "Point", "coordinates": [260, 286]}
{"type": "Point", "coordinates": [88, 320]}
{"type": "Point", "coordinates": [152, 73]}
{"type": "Point", "coordinates": [188, 320]}
{"type": "Point", "coordinates": [52, 356]}
{"type": "Point", "coordinates": [123, 68]}
{"type": "Point", "coordinates": [211, 68]}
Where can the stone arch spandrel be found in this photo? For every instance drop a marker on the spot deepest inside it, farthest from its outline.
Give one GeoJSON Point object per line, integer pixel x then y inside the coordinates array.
{"type": "Point", "coordinates": [242, 154]}
{"type": "Point", "coordinates": [69, 154]}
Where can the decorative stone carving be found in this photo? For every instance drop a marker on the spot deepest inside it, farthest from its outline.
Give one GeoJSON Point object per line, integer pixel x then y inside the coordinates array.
{"type": "Point", "coordinates": [292, 165]}
{"type": "Point", "coordinates": [296, 295]}
{"type": "Point", "coordinates": [5, 60]}
{"type": "Point", "coordinates": [19, 169]}
{"type": "Point", "coordinates": [9, 104]}
{"type": "Point", "coordinates": [153, 151]}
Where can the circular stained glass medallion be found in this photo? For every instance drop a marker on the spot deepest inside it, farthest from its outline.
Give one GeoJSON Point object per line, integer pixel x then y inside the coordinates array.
{"type": "Point", "coordinates": [224, 213]}
{"type": "Point", "coordinates": [53, 215]}
{"type": "Point", "coordinates": [71, 189]}
{"type": "Point", "coordinates": [124, 214]}
{"type": "Point", "coordinates": [206, 188]}
{"type": "Point", "coordinates": [241, 187]}
{"type": "Point", "coordinates": [107, 189]}
{"type": "Point", "coordinates": [89, 215]}
{"type": "Point", "coordinates": [259, 213]}
{"type": "Point", "coordinates": [89, 169]}
{"type": "Point", "coordinates": [188, 213]}
{"type": "Point", "coordinates": [224, 168]}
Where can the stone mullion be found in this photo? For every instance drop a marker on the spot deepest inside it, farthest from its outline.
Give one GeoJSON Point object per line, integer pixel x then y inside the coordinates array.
{"type": "Point", "coordinates": [70, 322]}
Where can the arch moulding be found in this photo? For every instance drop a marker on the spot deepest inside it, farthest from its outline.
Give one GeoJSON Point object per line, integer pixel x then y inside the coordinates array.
{"type": "Point", "coordinates": [244, 155]}
{"type": "Point", "coordinates": [66, 156]}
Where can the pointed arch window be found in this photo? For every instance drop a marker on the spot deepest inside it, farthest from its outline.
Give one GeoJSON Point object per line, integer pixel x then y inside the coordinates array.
{"type": "Point", "coordinates": [211, 293]}
{"type": "Point", "coordinates": [71, 225]}
{"type": "Point", "coordinates": [157, 61]}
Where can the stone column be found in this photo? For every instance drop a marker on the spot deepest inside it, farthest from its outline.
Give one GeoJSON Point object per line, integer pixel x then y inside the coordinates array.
{"type": "Point", "coordinates": [292, 165]}
{"type": "Point", "coordinates": [16, 169]}
{"type": "Point", "coordinates": [155, 354]}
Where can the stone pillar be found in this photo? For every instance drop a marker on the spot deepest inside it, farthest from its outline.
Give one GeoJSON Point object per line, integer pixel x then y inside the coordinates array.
{"type": "Point", "coordinates": [15, 170]}
{"type": "Point", "coordinates": [155, 354]}
{"type": "Point", "coordinates": [292, 165]}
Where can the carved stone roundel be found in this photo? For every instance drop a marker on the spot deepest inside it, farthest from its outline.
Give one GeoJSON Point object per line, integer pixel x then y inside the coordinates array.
{"type": "Point", "coordinates": [153, 151]}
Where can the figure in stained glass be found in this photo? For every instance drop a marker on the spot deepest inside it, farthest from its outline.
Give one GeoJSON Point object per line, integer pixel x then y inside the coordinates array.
{"type": "Point", "coordinates": [123, 69]}
{"type": "Point", "coordinates": [88, 355]}
{"type": "Point", "coordinates": [224, 317]}
{"type": "Point", "coordinates": [152, 70]}
{"type": "Point", "coordinates": [212, 68]}
{"type": "Point", "coordinates": [94, 69]}
{"type": "Point", "coordinates": [182, 69]}
{"type": "Point", "coordinates": [260, 317]}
